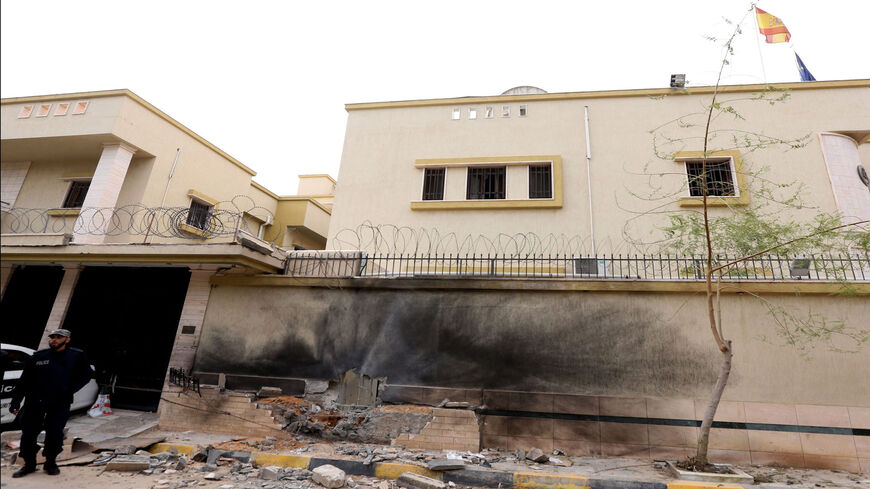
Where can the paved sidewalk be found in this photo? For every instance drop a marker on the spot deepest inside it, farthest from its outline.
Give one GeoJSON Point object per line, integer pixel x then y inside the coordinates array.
{"type": "Point", "coordinates": [505, 471]}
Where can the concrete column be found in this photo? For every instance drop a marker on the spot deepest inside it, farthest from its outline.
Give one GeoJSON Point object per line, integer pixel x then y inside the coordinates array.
{"type": "Point", "coordinates": [190, 323]}
{"type": "Point", "coordinates": [61, 303]}
{"type": "Point", "coordinates": [189, 329]}
{"type": "Point", "coordinates": [103, 193]}
{"type": "Point", "coordinates": [6, 270]}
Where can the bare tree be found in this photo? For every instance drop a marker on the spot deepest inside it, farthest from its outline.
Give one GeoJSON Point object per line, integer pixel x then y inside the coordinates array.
{"type": "Point", "coordinates": [745, 232]}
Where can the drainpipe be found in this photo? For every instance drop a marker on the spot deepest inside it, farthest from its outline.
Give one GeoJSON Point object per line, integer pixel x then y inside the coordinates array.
{"type": "Point", "coordinates": [165, 191]}
{"type": "Point", "coordinates": [589, 176]}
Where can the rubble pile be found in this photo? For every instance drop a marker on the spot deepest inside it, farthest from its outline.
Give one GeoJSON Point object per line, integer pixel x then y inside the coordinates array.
{"type": "Point", "coordinates": [354, 423]}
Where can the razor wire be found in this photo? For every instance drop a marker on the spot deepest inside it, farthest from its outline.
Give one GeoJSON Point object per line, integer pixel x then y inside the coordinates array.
{"type": "Point", "coordinates": [225, 218]}
{"type": "Point", "coordinates": [396, 239]}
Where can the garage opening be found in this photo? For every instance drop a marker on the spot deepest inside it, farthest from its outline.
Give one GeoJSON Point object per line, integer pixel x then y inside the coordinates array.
{"type": "Point", "coordinates": [125, 319]}
{"type": "Point", "coordinates": [27, 303]}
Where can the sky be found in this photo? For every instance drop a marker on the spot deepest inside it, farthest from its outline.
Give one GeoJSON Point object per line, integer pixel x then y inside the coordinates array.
{"type": "Point", "coordinates": [266, 81]}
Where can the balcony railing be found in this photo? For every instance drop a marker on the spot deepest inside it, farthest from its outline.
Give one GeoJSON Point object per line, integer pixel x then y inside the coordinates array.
{"type": "Point", "coordinates": [855, 267]}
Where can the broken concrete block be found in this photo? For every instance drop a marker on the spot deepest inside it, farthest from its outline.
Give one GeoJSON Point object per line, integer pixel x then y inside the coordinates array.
{"type": "Point", "coordinates": [212, 476]}
{"type": "Point", "coordinates": [411, 480]}
{"type": "Point", "coordinates": [537, 455]}
{"type": "Point", "coordinates": [440, 464]}
{"type": "Point", "coordinates": [269, 392]}
{"type": "Point", "coordinates": [129, 463]}
{"type": "Point", "coordinates": [270, 473]}
{"type": "Point", "coordinates": [329, 476]}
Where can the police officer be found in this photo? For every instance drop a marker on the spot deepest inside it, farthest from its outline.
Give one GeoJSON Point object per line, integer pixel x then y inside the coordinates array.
{"type": "Point", "coordinates": [48, 383]}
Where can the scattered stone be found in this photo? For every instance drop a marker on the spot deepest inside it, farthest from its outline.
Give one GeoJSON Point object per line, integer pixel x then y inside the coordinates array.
{"type": "Point", "coordinates": [558, 452]}
{"type": "Point", "coordinates": [350, 483]}
{"type": "Point", "coordinates": [160, 486]}
{"type": "Point", "coordinates": [411, 480]}
{"type": "Point", "coordinates": [147, 471]}
{"type": "Point", "coordinates": [169, 471]}
{"type": "Point", "coordinates": [163, 481]}
{"type": "Point", "coordinates": [441, 464]}
{"type": "Point", "coordinates": [125, 450]}
{"type": "Point", "coordinates": [212, 476]}
{"type": "Point", "coordinates": [329, 476]}
{"type": "Point", "coordinates": [181, 464]}
{"type": "Point", "coordinates": [560, 462]}
{"type": "Point", "coordinates": [129, 463]}
{"type": "Point", "coordinates": [537, 455]}
{"type": "Point", "coordinates": [200, 454]}
{"type": "Point", "coordinates": [270, 473]}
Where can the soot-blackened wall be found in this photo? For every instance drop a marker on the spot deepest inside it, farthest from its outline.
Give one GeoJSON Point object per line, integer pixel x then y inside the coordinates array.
{"type": "Point", "coordinates": [652, 344]}
{"type": "Point", "coordinates": [533, 341]}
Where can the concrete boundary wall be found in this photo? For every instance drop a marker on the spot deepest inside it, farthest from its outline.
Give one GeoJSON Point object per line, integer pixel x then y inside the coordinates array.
{"type": "Point", "coordinates": [630, 341]}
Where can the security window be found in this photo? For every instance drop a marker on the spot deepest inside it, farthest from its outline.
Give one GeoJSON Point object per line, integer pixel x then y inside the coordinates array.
{"type": "Point", "coordinates": [486, 183]}
{"type": "Point", "coordinates": [523, 110]}
{"type": "Point", "coordinates": [75, 196]}
{"type": "Point", "coordinates": [472, 114]}
{"type": "Point", "coordinates": [457, 113]}
{"type": "Point", "coordinates": [198, 215]}
{"type": "Point", "coordinates": [719, 178]}
{"type": "Point", "coordinates": [505, 110]}
{"type": "Point", "coordinates": [489, 112]}
{"type": "Point", "coordinates": [433, 184]}
{"type": "Point", "coordinates": [540, 182]}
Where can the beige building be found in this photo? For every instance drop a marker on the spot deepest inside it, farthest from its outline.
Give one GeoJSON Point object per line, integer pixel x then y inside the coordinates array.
{"type": "Point", "coordinates": [587, 164]}
{"type": "Point", "coordinates": [115, 215]}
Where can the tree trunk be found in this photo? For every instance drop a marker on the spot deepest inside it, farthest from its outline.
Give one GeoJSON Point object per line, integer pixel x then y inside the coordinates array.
{"type": "Point", "coordinates": [707, 423]}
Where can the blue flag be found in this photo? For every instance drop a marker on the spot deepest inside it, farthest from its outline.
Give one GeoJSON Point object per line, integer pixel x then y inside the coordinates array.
{"type": "Point", "coordinates": [802, 69]}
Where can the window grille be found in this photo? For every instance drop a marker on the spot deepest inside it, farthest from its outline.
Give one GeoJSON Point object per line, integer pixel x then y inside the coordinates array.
{"type": "Point", "coordinates": [540, 182]}
{"type": "Point", "coordinates": [720, 179]}
{"type": "Point", "coordinates": [433, 184]}
{"type": "Point", "coordinates": [75, 196]}
{"type": "Point", "coordinates": [198, 215]}
{"type": "Point", "coordinates": [486, 183]}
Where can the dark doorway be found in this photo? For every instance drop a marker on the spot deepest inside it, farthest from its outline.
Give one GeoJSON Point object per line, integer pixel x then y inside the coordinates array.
{"type": "Point", "coordinates": [27, 304]}
{"type": "Point", "coordinates": [125, 319]}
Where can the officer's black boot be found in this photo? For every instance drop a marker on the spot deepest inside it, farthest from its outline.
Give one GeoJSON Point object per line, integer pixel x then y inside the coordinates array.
{"type": "Point", "coordinates": [29, 466]}
{"type": "Point", "coordinates": [50, 467]}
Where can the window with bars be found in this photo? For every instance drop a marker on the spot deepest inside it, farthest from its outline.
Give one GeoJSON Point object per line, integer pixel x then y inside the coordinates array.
{"type": "Point", "coordinates": [198, 215]}
{"type": "Point", "coordinates": [433, 184]}
{"type": "Point", "coordinates": [486, 183]}
{"type": "Point", "coordinates": [719, 178]}
{"type": "Point", "coordinates": [540, 181]}
{"type": "Point", "coordinates": [75, 196]}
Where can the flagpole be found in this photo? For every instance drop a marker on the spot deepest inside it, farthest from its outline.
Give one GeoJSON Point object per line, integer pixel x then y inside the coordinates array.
{"type": "Point", "coordinates": [760, 56]}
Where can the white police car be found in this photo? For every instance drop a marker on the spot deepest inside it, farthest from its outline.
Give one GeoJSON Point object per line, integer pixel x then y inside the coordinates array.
{"type": "Point", "coordinates": [14, 359]}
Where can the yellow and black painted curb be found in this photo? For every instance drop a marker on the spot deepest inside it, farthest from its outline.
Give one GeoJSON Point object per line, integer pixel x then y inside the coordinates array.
{"type": "Point", "coordinates": [472, 476]}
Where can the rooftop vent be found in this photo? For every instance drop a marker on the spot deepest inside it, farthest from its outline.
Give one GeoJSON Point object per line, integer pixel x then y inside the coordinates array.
{"type": "Point", "coordinates": [524, 90]}
{"type": "Point", "coordinates": [678, 80]}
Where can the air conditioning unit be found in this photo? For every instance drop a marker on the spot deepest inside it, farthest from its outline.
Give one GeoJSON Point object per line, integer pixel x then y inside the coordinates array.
{"type": "Point", "coordinates": [590, 267]}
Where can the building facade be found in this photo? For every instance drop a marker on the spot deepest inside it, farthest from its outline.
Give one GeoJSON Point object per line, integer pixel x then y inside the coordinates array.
{"type": "Point", "coordinates": [589, 164]}
{"type": "Point", "coordinates": [115, 217]}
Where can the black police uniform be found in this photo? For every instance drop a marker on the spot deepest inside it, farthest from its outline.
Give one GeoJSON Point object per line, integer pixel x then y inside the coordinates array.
{"type": "Point", "coordinates": [48, 383]}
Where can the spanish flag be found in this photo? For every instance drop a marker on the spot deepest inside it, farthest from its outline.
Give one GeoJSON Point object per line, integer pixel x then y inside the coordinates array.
{"type": "Point", "coordinates": [773, 29]}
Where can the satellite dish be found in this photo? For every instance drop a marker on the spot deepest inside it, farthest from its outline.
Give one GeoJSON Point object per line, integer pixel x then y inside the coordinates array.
{"type": "Point", "coordinates": [524, 90]}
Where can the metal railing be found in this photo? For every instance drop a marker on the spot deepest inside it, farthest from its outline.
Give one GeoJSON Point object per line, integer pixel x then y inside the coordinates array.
{"type": "Point", "coordinates": [855, 267]}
